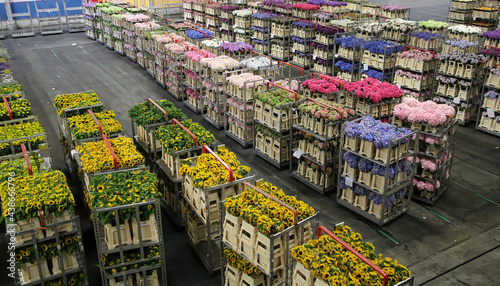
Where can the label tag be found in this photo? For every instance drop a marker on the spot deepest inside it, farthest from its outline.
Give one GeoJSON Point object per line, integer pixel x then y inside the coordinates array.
{"type": "Point", "coordinates": [6, 71]}
{"type": "Point", "coordinates": [272, 36]}
{"type": "Point", "coordinates": [365, 67]}
{"type": "Point", "coordinates": [398, 85]}
{"type": "Point", "coordinates": [297, 154]}
{"type": "Point", "coordinates": [474, 18]}
{"type": "Point", "coordinates": [2, 60]}
{"type": "Point", "coordinates": [220, 28]}
{"type": "Point", "coordinates": [490, 112]}
{"type": "Point", "coordinates": [348, 181]}
{"type": "Point", "coordinates": [314, 57]}
{"type": "Point", "coordinates": [185, 18]}
{"type": "Point", "coordinates": [293, 50]}
{"type": "Point", "coordinates": [195, 21]}
{"type": "Point", "coordinates": [456, 100]}
{"type": "Point", "coordinates": [207, 25]}
{"type": "Point", "coordinates": [234, 26]}
{"type": "Point", "coordinates": [336, 55]}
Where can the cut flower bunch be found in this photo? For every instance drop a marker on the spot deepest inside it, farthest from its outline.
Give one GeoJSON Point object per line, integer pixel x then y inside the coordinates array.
{"type": "Point", "coordinates": [174, 138]}
{"type": "Point", "coordinates": [332, 111]}
{"type": "Point", "coordinates": [208, 172]}
{"type": "Point", "coordinates": [10, 88]}
{"type": "Point", "coordinates": [47, 191]}
{"type": "Point", "coordinates": [83, 126]}
{"type": "Point", "coordinates": [235, 260]}
{"type": "Point", "coordinates": [95, 156]}
{"type": "Point", "coordinates": [113, 259]}
{"type": "Point", "coordinates": [330, 261]}
{"type": "Point", "coordinates": [123, 188]}
{"type": "Point", "coordinates": [20, 108]}
{"type": "Point", "coordinates": [146, 113]}
{"type": "Point", "coordinates": [18, 167]}
{"type": "Point", "coordinates": [268, 216]}
{"type": "Point", "coordinates": [75, 100]}
{"type": "Point", "coordinates": [373, 90]}
{"type": "Point", "coordinates": [375, 131]}
{"type": "Point", "coordinates": [426, 112]}
{"type": "Point", "coordinates": [276, 97]}
{"type": "Point", "coordinates": [22, 130]}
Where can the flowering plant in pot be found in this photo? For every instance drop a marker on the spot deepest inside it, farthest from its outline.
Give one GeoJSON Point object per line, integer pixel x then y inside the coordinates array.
{"type": "Point", "coordinates": [174, 138]}
{"type": "Point", "coordinates": [147, 113]}
{"type": "Point", "coordinates": [208, 171]}
{"type": "Point", "coordinates": [95, 156]}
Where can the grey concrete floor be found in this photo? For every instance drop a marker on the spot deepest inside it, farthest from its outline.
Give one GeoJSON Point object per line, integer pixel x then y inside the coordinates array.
{"type": "Point", "coordinates": [453, 242]}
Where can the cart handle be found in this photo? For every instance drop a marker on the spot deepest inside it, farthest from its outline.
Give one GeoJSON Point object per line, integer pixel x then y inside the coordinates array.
{"type": "Point", "coordinates": [353, 251]}
{"type": "Point", "coordinates": [42, 220]}
{"type": "Point", "coordinates": [205, 148]}
{"type": "Point", "coordinates": [203, 52]}
{"type": "Point", "coordinates": [8, 107]}
{"type": "Point", "coordinates": [187, 46]}
{"type": "Point", "coordinates": [175, 121]}
{"type": "Point", "coordinates": [290, 65]}
{"type": "Point", "coordinates": [278, 86]}
{"type": "Point", "coordinates": [27, 159]}
{"type": "Point", "coordinates": [423, 50]}
{"type": "Point", "coordinates": [95, 120]}
{"type": "Point", "coordinates": [260, 54]}
{"type": "Point", "coordinates": [159, 107]}
{"type": "Point", "coordinates": [324, 76]}
{"type": "Point", "coordinates": [241, 47]}
{"type": "Point", "coordinates": [293, 210]}
{"type": "Point", "coordinates": [492, 47]}
{"type": "Point", "coordinates": [115, 159]}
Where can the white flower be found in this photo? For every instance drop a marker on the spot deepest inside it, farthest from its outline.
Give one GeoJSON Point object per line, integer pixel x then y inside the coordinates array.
{"type": "Point", "coordinates": [212, 43]}
{"type": "Point", "coordinates": [243, 12]}
{"type": "Point", "coordinates": [463, 29]}
{"type": "Point", "coordinates": [342, 23]}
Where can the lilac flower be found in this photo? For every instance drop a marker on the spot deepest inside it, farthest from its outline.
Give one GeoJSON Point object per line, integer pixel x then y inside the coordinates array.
{"type": "Point", "coordinates": [351, 159]}
{"type": "Point", "coordinates": [302, 24]}
{"type": "Point", "coordinates": [492, 34]}
{"type": "Point", "coordinates": [426, 36]}
{"type": "Point", "coordinates": [365, 165]}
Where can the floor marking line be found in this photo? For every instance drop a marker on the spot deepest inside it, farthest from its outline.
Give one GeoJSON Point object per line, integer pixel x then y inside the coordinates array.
{"type": "Point", "coordinates": [442, 217]}
{"type": "Point", "coordinates": [386, 235]}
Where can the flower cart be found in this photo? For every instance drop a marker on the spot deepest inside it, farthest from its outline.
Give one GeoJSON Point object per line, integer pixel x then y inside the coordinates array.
{"type": "Point", "coordinates": [174, 75]}
{"type": "Point", "coordinates": [281, 28]}
{"type": "Point", "coordinates": [273, 116]}
{"type": "Point", "coordinates": [15, 111]}
{"type": "Point", "coordinates": [225, 32]}
{"type": "Point", "coordinates": [378, 59]}
{"type": "Point", "coordinates": [339, 249]}
{"type": "Point", "coordinates": [314, 141]}
{"type": "Point", "coordinates": [89, 18]}
{"type": "Point", "coordinates": [261, 27]}
{"type": "Point", "coordinates": [128, 226]}
{"type": "Point", "coordinates": [427, 41]}
{"type": "Point", "coordinates": [485, 18]}
{"type": "Point", "coordinates": [29, 132]}
{"type": "Point", "coordinates": [323, 49]}
{"type": "Point", "coordinates": [262, 247]}
{"type": "Point", "coordinates": [492, 38]}
{"type": "Point", "coordinates": [459, 81]}
{"type": "Point", "coordinates": [240, 88]}
{"type": "Point", "coordinates": [212, 16]}
{"type": "Point", "coordinates": [374, 98]}
{"type": "Point", "coordinates": [436, 145]}
{"type": "Point", "coordinates": [236, 50]}
{"type": "Point", "coordinates": [489, 112]}
{"type": "Point", "coordinates": [415, 70]}
{"type": "Point", "coordinates": [395, 12]}
{"type": "Point", "coordinates": [463, 32]}
{"type": "Point", "coordinates": [39, 228]}
{"type": "Point", "coordinates": [149, 116]}
{"type": "Point", "coordinates": [193, 85]}
{"type": "Point", "coordinates": [243, 25]}
{"type": "Point", "coordinates": [347, 56]}
{"type": "Point", "coordinates": [376, 174]}
{"type": "Point", "coordinates": [303, 33]}
{"type": "Point", "coordinates": [213, 80]}
{"type": "Point", "coordinates": [204, 188]}
{"type": "Point", "coordinates": [304, 11]}
{"type": "Point", "coordinates": [397, 30]}
{"type": "Point", "coordinates": [178, 142]}
{"type": "Point", "coordinates": [265, 66]}
{"type": "Point", "coordinates": [460, 12]}
{"type": "Point", "coordinates": [11, 91]}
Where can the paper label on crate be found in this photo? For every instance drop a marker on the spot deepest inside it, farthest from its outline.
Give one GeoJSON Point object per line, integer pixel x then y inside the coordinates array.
{"type": "Point", "coordinates": [456, 100]}
{"type": "Point", "coordinates": [207, 25]}
{"type": "Point", "coordinates": [336, 55]}
{"type": "Point", "coordinates": [365, 67]}
{"type": "Point", "coordinates": [144, 223]}
{"type": "Point", "coordinates": [195, 21]}
{"type": "Point", "coordinates": [490, 112]}
{"type": "Point", "coordinates": [314, 57]}
{"type": "Point", "coordinates": [234, 26]}
{"type": "Point", "coordinates": [348, 181]}
{"type": "Point", "coordinates": [297, 154]}
{"type": "Point", "coordinates": [2, 60]}
{"type": "Point", "coordinates": [272, 36]}
{"type": "Point", "coordinates": [398, 85]}
{"type": "Point", "coordinates": [220, 28]}
{"type": "Point", "coordinates": [474, 18]}
{"type": "Point", "coordinates": [185, 18]}
{"type": "Point", "coordinates": [293, 50]}
{"type": "Point", "coordinates": [256, 256]}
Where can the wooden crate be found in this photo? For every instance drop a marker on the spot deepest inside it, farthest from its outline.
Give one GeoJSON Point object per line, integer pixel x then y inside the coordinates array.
{"type": "Point", "coordinates": [233, 276]}
{"type": "Point", "coordinates": [247, 238]}
{"type": "Point", "coordinates": [51, 219]}
{"type": "Point", "coordinates": [30, 273]}
{"type": "Point", "coordinates": [152, 280]}
{"type": "Point", "coordinates": [111, 235]}
{"type": "Point", "coordinates": [69, 261]}
{"type": "Point", "coordinates": [32, 223]}
{"type": "Point", "coordinates": [148, 229]}
{"type": "Point", "coordinates": [301, 276]}
{"type": "Point", "coordinates": [231, 230]}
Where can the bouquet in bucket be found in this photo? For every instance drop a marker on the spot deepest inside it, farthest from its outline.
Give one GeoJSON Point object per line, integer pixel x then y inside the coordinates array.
{"type": "Point", "coordinates": [173, 138]}
{"type": "Point", "coordinates": [329, 261]}
{"type": "Point", "coordinates": [96, 157]}
{"type": "Point", "coordinates": [269, 216]}
{"type": "Point", "coordinates": [208, 171]}
{"type": "Point", "coordinates": [147, 113]}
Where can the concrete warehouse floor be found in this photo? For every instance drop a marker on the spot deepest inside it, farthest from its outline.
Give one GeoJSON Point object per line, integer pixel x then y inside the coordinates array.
{"type": "Point", "coordinates": [454, 242]}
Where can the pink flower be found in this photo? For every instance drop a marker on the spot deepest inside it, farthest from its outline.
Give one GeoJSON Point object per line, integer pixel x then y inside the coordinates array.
{"type": "Point", "coordinates": [421, 185]}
